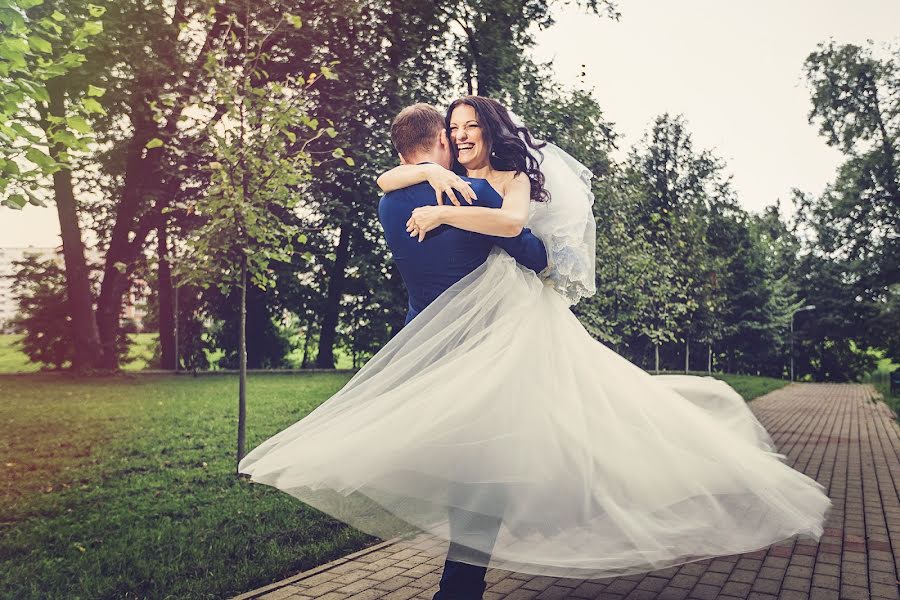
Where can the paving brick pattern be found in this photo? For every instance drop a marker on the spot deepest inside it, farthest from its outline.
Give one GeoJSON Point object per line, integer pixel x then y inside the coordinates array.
{"type": "Point", "coordinates": [835, 433]}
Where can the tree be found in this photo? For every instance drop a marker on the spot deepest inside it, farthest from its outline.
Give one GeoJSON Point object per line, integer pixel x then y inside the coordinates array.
{"type": "Point", "coordinates": [388, 56]}
{"type": "Point", "coordinates": [832, 345]}
{"type": "Point", "coordinates": [491, 39]}
{"type": "Point", "coordinates": [853, 225]}
{"type": "Point", "coordinates": [675, 183]}
{"type": "Point", "coordinates": [43, 313]}
{"type": "Point", "coordinates": [854, 102]}
{"type": "Point", "coordinates": [43, 105]}
{"type": "Point", "coordinates": [625, 259]}
{"type": "Point", "coordinates": [267, 347]}
{"type": "Point", "coordinates": [44, 316]}
{"type": "Point", "coordinates": [150, 59]}
{"type": "Point", "coordinates": [258, 167]}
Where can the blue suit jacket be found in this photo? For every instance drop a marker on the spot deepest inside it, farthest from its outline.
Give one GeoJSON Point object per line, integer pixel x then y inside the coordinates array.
{"type": "Point", "coordinates": [447, 254]}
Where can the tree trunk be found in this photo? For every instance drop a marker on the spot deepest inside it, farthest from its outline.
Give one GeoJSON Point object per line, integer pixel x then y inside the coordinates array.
{"type": "Point", "coordinates": [336, 281]}
{"type": "Point", "coordinates": [493, 48]}
{"type": "Point", "coordinates": [165, 295]}
{"type": "Point", "coordinates": [138, 171]}
{"type": "Point", "coordinates": [687, 354]}
{"type": "Point", "coordinates": [134, 218]}
{"type": "Point", "coordinates": [656, 353]}
{"type": "Point", "coordinates": [242, 359]}
{"type": "Point", "coordinates": [88, 352]}
{"type": "Point", "coordinates": [177, 331]}
{"type": "Point", "coordinates": [709, 358]}
{"type": "Point", "coordinates": [305, 362]}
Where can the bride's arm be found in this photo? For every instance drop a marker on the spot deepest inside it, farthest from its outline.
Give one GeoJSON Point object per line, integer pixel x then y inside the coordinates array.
{"type": "Point", "coordinates": [403, 176]}
{"type": "Point", "coordinates": [506, 221]}
{"type": "Point", "coordinates": [442, 180]}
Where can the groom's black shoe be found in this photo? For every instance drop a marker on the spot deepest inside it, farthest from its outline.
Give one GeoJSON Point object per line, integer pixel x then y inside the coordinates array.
{"type": "Point", "coordinates": [461, 581]}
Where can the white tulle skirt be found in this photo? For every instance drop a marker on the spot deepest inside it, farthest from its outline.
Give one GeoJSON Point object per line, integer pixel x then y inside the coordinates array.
{"type": "Point", "coordinates": [562, 457]}
{"type": "Point", "coordinates": [722, 402]}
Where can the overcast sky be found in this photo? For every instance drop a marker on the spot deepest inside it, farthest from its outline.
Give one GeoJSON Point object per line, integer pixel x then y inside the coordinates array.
{"type": "Point", "coordinates": [733, 68]}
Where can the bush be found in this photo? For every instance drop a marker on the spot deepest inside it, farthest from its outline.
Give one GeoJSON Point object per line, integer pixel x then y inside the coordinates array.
{"type": "Point", "coordinates": [43, 314]}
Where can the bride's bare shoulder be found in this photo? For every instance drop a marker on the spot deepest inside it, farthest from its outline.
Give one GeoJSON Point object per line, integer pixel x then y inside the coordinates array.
{"type": "Point", "coordinates": [503, 181]}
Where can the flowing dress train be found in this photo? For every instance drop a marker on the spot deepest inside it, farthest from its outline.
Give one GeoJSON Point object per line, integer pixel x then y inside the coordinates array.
{"type": "Point", "coordinates": [496, 401]}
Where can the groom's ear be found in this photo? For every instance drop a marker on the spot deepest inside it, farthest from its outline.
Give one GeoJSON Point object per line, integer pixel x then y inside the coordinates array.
{"type": "Point", "coordinates": [402, 160]}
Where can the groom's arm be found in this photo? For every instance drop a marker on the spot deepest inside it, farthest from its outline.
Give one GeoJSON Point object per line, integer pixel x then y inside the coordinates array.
{"type": "Point", "coordinates": [526, 248]}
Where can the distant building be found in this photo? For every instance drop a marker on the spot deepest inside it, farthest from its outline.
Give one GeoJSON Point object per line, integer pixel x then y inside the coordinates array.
{"type": "Point", "coordinates": [133, 309]}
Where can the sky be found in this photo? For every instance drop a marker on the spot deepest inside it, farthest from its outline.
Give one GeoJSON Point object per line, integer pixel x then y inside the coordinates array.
{"type": "Point", "coordinates": [732, 68]}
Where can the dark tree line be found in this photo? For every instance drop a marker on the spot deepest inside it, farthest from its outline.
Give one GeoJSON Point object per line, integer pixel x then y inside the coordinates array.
{"type": "Point", "coordinates": [686, 278]}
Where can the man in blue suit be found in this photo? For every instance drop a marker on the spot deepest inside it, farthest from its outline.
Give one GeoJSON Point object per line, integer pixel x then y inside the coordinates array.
{"type": "Point", "coordinates": [447, 254]}
{"type": "Point", "coordinates": [428, 268]}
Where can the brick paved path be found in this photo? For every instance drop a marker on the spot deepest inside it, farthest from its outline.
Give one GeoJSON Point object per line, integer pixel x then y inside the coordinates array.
{"type": "Point", "coordinates": [834, 433]}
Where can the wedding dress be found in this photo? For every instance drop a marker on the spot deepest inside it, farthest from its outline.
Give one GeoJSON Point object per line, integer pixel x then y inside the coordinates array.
{"type": "Point", "coordinates": [724, 403]}
{"type": "Point", "coordinates": [496, 401]}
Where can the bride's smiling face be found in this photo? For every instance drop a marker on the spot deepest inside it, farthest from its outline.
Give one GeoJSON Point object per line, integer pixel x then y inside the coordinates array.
{"type": "Point", "coordinates": [466, 134]}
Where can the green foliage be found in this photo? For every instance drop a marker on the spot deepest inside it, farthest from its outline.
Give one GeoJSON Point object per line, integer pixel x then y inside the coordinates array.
{"type": "Point", "coordinates": [832, 342]}
{"type": "Point", "coordinates": [880, 380]}
{"type": "Point", "coordinates": [256, 153]}
{"type": "Point", "coordinates": [852, 267]}
{"type": "Point", "coordinates": [39, 47]}
{"type": "Point", "coordinates": [43, 314]}
{"type": "Point", "coordinates": [194, 345]}
{"type": "Point", "coordinates": [267, 347]}
{"type": "Point", "coordinates": [490, 38]}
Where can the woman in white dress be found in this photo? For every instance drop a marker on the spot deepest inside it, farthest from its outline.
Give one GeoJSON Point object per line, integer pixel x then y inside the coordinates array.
{"type": "Point", "coordinates": [496, 402]}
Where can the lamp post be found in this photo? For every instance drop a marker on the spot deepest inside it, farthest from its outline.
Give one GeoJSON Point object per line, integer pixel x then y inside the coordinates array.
{"type": "Point", "coordinates": [802, 308]}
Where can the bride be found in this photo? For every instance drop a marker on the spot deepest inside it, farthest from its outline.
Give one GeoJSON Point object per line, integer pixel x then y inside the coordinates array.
{"type": "Point", "coordinates": [496, 403]}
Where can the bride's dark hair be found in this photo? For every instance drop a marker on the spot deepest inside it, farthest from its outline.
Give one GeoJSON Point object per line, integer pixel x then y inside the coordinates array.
{"type": "Point", "coordinates": [507, 144]}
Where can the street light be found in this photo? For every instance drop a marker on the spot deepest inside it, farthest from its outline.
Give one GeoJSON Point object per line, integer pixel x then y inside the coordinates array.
{"type": "Point", "coordinates": [802, 308]}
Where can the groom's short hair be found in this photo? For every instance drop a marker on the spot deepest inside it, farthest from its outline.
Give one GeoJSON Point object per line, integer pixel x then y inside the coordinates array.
{"type": "Point", "coordinates": [416, 129]}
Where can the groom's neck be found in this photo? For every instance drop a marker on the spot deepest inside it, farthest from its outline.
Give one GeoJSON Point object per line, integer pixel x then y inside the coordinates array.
{"type": "Point", "coordinates": [423, 157]}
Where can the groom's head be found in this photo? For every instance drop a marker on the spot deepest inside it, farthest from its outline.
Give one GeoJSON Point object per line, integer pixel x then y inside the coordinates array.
{"type": "Point", "coordinates": [418, 134]}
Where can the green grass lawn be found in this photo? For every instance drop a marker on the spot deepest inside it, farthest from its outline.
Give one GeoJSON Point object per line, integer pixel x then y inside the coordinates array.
{"type": "Point", "coordinates": [124, 487]}
{"type": "Point", "coordinates": [751, 386]}
{"type": "Point", "coordinates": [748, 386]}
{"type": "Point", "coordinates": [13, 360]}
{"type": "Point", "coordinates": [881, 380]}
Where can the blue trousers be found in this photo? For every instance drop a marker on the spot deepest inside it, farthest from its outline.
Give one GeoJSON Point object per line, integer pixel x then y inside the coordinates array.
{"type": "Point", "coordinates": [472, 536]}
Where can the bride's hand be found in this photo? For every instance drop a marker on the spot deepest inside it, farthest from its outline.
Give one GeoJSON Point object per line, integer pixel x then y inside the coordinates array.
{"type": "Point", "coordinates": [445, 181]}
{"type": "Point", "coordinates": [424, 219]}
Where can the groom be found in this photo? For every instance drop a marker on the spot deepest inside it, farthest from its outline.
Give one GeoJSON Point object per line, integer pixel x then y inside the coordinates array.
{"type": "Point", "coordinates": [445, 256]}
